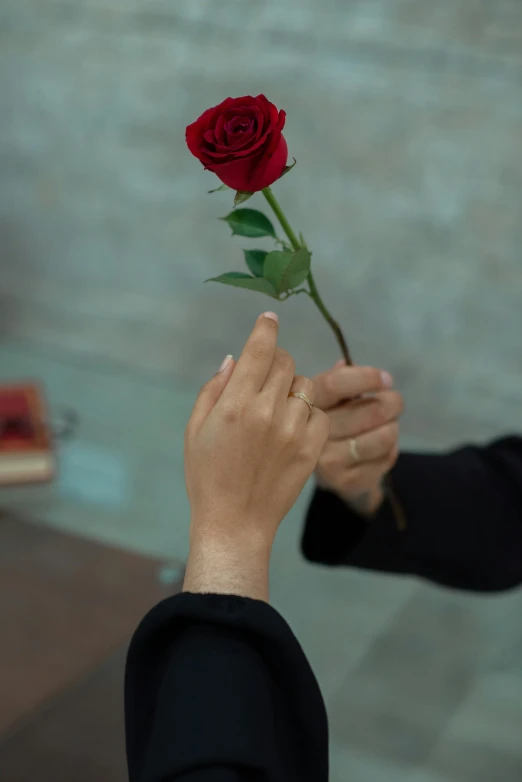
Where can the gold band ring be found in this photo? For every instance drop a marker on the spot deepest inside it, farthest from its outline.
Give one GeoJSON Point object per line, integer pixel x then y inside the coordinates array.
{"type": "Point", "coordinates": [354, 451]}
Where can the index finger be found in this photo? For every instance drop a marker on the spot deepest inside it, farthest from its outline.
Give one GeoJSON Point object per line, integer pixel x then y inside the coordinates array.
{"type": "Point", "coordinates": [258, 354]}
{"type": "Point", "coordinates": [342, 383]}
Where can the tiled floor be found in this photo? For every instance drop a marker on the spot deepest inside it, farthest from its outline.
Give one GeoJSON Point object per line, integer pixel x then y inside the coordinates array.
{"type": "Point", "coordinates": [68, 607]}
{"type": "Point", "coordinates": [405, 118]}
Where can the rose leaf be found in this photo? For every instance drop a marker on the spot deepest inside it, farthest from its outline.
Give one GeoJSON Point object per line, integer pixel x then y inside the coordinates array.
{"type": "Point", "coordinates": [240, 280]}
{"type": "Point", "coordinates": [285, 270]}
{"type": "Point", "coordinates": [217, 189]}
{"type": "Point", "coordinates": [286, 169]}
{"type": "Point", "coordinates": [249, 222]}
{"type": "Point", "coordinates": [255, 260]}
{"type": "Point", "coordinates": [242, 196]}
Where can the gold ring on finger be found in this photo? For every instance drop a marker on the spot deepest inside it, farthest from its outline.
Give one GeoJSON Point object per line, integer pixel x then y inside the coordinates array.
{"type": "Point", "coordinates": [354, 451]}
{"type": "Point", "coordinates": [300, 395]}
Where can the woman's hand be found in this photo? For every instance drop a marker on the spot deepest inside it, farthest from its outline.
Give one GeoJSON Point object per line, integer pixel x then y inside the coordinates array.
{"type": "Point", "coordinates": [249, 450]}
{"type": "Point", "coordinates": [363, 444]}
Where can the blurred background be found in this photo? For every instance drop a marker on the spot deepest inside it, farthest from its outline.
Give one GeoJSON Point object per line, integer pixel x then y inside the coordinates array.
{"type": "Point", "coordinates": [405, 117]}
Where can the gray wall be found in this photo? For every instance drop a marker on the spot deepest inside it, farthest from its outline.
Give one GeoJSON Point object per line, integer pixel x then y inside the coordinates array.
{"type": "Point", "coordinates": [405, 117]}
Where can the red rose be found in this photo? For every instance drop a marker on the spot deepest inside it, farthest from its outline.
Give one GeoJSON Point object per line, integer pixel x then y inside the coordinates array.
{"type": "Point", "coordinates": [241, 141]}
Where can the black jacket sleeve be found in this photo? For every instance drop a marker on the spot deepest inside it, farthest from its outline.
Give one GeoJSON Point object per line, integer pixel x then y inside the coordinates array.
{"type": "Point", "coordinates": [464, 517]}
{"type": "Point", "coordinates": [218, 689]}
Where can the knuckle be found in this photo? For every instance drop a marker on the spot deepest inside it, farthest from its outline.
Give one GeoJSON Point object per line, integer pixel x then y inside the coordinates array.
{"type": "Point", "coordinates": [375, 415]}
{"type": "Point", "coordinates": [330, 461]}
{"type": "Point", "coordinates": [388, 436]}
{"type": "Point", "coordinates": [261, 416]}
{"type": "Point", "coordinates": [259, 350]}
{"type": "Point", "coordinates": [309, 452]}
{"type": "Point", "coordinates": [372, 378]}
{"type": "Point", "coordinates": [288, 432]}
{"type": "Point", "coordinates": [285, 361]}
{"type": "Point", "coordinates": [327, 382]}
{"type": "Point", "coordinates": [393, 403]}
{"type": "Point", "coordinates": [231, 410]}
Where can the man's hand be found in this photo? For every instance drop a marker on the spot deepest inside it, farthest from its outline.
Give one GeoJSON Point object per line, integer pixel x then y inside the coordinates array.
{"type": "Point", "coordinates": [364, 431]}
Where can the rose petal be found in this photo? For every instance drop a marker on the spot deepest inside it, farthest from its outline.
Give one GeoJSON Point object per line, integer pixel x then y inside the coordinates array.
{"type": "Point", "coordinates": [219, 129]}
{"type": "Point", "coordinates": [240, 141]}
{"type": "Point", "coordinates": [251, 155]}
{"type": "Point", "coordinates": [276, 133]}
{"type": "Point", "coordinates": [253, 173]}
{"type": "Point", "coordinates": [235, 173]}
{"type": "Point", "coordinates": [265, 109]}
{"type": "Point", "coordinates": [194, 132]}
{"type": "Point", "coordinates": [224, 151]}
{"type": "Point", "coordinates": [270, 167]}
{"type": "Point", "coordinates": [239, 132]}
{"type": "Point", "coordinates": [253, 113]}
{"type": "Point", "coordinates": [221, 152]}
{"type": "Point", "coordinates": [274, 116]}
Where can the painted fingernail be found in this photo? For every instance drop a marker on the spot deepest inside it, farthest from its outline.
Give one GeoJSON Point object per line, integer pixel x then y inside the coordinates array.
{"type": "Point", "coordinates": [387, 379]}
{"type": "Point", "coordinates": [271, 315]}
{"type": "Point", "coordinates": [225, 363]}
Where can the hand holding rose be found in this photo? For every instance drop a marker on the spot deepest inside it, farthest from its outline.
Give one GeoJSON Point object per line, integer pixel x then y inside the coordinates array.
{"type": "Point", "coordinates": [363, 442]}
{"type": "Point", "coordinates": [241, 141]}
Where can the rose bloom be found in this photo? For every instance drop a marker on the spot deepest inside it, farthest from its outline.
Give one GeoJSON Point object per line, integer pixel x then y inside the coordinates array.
{"type": "Point", "coordinates": [241, 141]}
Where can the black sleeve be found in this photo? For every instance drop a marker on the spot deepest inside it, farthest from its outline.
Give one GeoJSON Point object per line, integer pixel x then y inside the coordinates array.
{"type": "Point", "coordinates": [464, 517]}
{"type": "Point", "coordinates": [218, 689]}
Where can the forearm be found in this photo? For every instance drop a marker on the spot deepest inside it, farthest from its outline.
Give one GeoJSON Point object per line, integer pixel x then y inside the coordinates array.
{"type": "Point", "coordinates": [228, 565]}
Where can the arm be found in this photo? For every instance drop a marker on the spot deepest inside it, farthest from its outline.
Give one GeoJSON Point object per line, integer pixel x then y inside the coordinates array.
{"type": "Point", "coordinates": [217, 689]}
{"type": "Point", "coordinates": [464, 513]}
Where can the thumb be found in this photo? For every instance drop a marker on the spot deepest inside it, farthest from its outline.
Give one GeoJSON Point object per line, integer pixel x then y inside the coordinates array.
{"type": "Point", "coordinates": [211, 391]}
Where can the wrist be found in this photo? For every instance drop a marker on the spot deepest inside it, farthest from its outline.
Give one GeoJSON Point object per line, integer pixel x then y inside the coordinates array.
{"type": "Point", "coordinates": [228, 564]}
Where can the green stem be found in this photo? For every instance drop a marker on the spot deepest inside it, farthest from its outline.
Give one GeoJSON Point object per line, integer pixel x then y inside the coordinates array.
{"type": "Point", "coordinates": [294, 293]}
{"type": "Point", "coordinates": [398, 511]}
{"type": "Point", "coordinates": [285, 225]}
{"type": "Point", "coordinates": [314, 293]}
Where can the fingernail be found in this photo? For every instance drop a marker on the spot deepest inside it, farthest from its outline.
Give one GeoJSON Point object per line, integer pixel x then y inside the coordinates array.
{"type": "Point", "coordinates": [226, 362]}
{"type": "Point", "coordinates": [271, 315]}
{"type": "Point", "coordinates": [340, 363]}
{"type": "Point", "coordinates": [387, 379]}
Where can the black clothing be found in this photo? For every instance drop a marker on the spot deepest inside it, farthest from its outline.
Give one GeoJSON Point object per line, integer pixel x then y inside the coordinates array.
{"type": "Point", "coordinates": [464, 516]}
{"type": "Point", "coordinates": [218, 689]}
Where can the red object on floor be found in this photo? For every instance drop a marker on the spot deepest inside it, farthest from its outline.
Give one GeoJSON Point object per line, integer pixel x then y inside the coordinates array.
{"type": "Point", "coordinates": [26, 449]}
